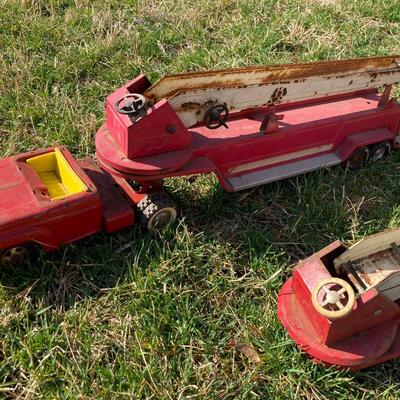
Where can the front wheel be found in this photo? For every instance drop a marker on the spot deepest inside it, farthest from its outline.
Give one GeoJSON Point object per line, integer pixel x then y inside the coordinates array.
{"type": "Point", "coordinates": [156, 210]}
{"type": "Point", "coordinates": [13, 256]}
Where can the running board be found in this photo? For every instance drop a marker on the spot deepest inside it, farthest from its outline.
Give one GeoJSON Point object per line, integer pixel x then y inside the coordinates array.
{"type": "Point", "coordinates": [283, 171]}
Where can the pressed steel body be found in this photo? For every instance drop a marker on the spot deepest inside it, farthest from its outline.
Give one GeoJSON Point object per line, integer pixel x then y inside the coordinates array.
{"type": "Point", "coordinates": [279, 116]}
{"type": "Point", "coordinates": [28, 214]}
{"type": "Point", "coordinates": [336, 125]}
{"type": "Point", "coordinates": [368, 335]}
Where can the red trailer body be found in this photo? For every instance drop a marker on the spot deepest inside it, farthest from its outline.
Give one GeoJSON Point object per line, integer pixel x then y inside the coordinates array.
{"type": "Point", "coordinates": [255, 145]}
{"type": "Point", "coordinates": [315, 135]}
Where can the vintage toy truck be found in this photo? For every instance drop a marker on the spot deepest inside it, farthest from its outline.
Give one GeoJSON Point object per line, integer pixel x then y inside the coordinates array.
{"type": "Point", "coordinates": [48, 199]}
{"type": "Point", "coordinates": [249, 126]}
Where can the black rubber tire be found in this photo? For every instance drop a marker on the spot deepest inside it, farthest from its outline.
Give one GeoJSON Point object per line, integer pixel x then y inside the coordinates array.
{"type": "Point", "coordinates": [156, 210]}
{"type": "Point", "coordinates": [379, 151]}
{"type": "Point", "coordinates": [357, 159]}
{"type": "Point", "coordinates": [13, 256]}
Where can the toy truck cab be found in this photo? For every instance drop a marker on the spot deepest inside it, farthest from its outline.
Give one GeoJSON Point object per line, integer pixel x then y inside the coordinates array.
{"type": "Point", "coordinates": [49, 199]}
{"type": "Point", "coordinates": [45, 198]}
{"type": "Point", "coordinates": [342, 306]}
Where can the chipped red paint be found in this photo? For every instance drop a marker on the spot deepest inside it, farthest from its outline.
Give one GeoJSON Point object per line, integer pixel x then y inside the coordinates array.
{"type": "Point", "coordinates": [143, 150]}
{"type": "Point", "coordinates": [170, 138]}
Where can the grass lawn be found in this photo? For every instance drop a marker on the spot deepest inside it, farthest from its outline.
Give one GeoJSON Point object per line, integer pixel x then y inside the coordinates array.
{"type": "Point", "coordinates": [159, 318]}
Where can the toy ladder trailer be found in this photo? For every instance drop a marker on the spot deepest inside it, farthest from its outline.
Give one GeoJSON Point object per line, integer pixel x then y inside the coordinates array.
{"type": "Point", "coordinates": [252, 125]}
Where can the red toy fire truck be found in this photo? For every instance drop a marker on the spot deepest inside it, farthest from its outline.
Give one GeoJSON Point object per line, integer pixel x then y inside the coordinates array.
{"type": "Point", "coordinates": [342, 306]}
{"type": "Point", "coordinates": [249, 126]}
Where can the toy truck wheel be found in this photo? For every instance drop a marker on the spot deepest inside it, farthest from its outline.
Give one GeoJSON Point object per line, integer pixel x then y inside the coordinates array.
{"type": "Point", "coordinates": [13, 256]}
{"type": "Point", "coordinates": [379, 151]}
{"type": "Point", "coordinates": [357, 159]}
{"type": "Point", "coordinates": [156, 210]}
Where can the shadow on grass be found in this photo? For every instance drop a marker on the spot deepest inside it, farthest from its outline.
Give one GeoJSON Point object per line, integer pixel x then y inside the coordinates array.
{"type": "Point", "coordinates": [73, 273]}
{"type": "Point", "coordinates": [301, 215]}
{"type": "Point", "coordinates": [384, 377]}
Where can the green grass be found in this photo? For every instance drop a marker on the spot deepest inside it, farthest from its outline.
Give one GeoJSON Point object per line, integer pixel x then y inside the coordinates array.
{"type": "Point", "coordinates": [158, 319]}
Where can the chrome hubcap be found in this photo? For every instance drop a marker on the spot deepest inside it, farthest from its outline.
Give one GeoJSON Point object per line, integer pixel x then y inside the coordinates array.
{"type": "Point", "coordinates": [379, 153]}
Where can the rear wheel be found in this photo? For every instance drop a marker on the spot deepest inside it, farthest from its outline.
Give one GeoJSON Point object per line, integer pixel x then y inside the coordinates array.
{"type": "Point", "coordinates": [379, 151]}
{"type": "Point", "coordinates": [13, 256]}
{"type": "Point", "coordinates": [156, 210]}
{"type": "Point", "coordinates": [357, 159]}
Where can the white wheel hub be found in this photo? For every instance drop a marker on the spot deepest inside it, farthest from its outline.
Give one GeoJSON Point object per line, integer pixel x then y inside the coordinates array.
{"type": "Point", "coordinates": [162, 218]}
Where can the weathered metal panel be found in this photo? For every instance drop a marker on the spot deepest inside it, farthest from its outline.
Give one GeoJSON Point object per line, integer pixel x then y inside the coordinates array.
{"type": "Point", "coordinates": [281, 158]}
{"type": "Point", "coordinates": [381, 271]}
{"type": "Point", "coordinates": [257, 178]}
{"type": "Point", "coordinates": [192, 94]}
{"type": "Point", "coordinates": [369, 245]}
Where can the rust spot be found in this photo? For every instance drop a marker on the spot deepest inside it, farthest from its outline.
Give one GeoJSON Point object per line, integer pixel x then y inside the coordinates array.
{"type": "Point", "coordinates": [278, 94]}
{"type": "Point", "coordinates": [193, 105]}
{"type": "Point", "coordinates": [350, 82]}
{"type": "Point", "coordinates": [210, 103]}
{"type": "Point", "coordinates": [373, 268]}
{"type": "Point", "coordinates": [190, 105]}
{"type": "Point", "coordinates": [267, 80]}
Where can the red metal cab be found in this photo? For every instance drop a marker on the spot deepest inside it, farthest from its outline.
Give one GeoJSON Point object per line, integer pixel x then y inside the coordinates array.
{"type": "Point", "coordinates": [48, 198]}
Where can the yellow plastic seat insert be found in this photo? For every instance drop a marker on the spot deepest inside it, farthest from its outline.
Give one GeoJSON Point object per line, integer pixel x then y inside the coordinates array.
{"type": "Point", "coordinates": [57, 175]}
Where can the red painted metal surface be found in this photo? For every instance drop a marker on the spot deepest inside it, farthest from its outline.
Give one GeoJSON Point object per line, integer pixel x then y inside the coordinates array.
{"type": "Point", "coordinates": [367, 336]}
{"type": "Point", "coordinates": [28, 215]}
{"type": "Point", "coordinates": [155, 145]}
{"type": "Point", "coordinates": [160, 131]}
{"type": "Point", "coordinates": [117, 211]}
